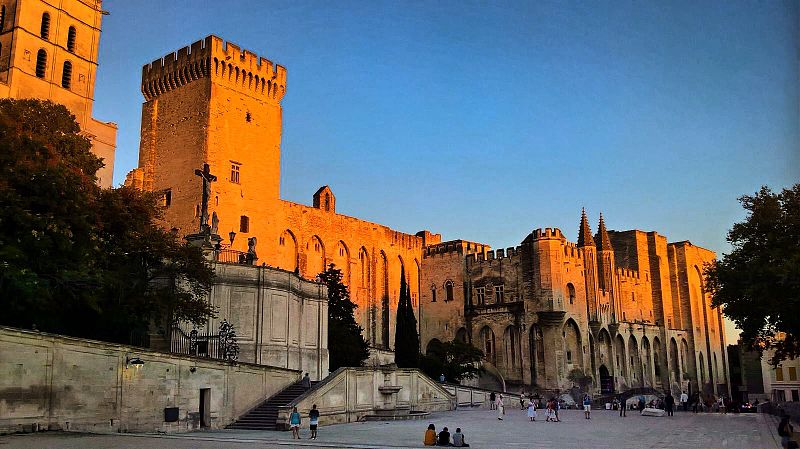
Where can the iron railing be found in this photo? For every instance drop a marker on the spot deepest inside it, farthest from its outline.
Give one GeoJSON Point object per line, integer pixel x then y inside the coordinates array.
{"type": "Point", "coordinates": [195, 343]}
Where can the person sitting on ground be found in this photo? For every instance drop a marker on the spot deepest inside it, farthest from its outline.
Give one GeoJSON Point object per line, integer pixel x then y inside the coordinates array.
{"type": "Point", "coordinates": [430, 436]}
{"type": "Point", "coordinates": [458, 439]}
{"type": "Point", "coordinates": [444, 438]}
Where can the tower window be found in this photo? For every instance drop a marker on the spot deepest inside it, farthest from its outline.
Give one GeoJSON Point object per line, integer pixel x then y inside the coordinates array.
{"type": "Point", "coordinates": [244, 223]}
{"type": "Point", "coordinates": [2, 17]}
{"type": "Point", "coordinates": [480, 294]}
{"type": "Point", "coordinates": [248, 117]}
{"type": "Point", "coordinates": [235, 173]}
{"type": "Point", "coordinates": [167, 200]}
{"type": "Point", "coordinates": [66, 75]}
{"type": "Point", "coordinates": [571, 293]}
{"type": "Point", "coordinates": [498, 294]}
{"type": "Point", "coordinates": [569, 356]}
{"type": "Point", "coordinates": [71, 39]}
{"type": "Point", "coordinates": [448, 287]}
{"type": "Point", "coordinates": [41, 63]}
{"type": "Point", "coordinates": [44, 32]}
{"type": "Point", "coordinates": [433, 293]}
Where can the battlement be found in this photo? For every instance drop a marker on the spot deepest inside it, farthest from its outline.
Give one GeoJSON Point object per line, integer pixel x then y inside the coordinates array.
{"type": "Point", "coordinates": [489, 256]}
{"type": "Point", "coordinates": [548, 233]}
{"type": "Point", "coordinates": [627, 273]}
{"type": "Point", "coordinates": [213, 57]}
{"type": "Point", "coordinates": [454, 247]}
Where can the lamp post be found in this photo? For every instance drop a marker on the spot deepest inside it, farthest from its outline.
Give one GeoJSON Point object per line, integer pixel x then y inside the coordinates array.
{"type": "Point", "coordinates": [232, 236]}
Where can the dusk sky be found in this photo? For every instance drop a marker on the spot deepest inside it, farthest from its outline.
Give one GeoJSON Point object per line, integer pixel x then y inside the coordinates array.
{"type": "Point", "coordinates": [485, 120]}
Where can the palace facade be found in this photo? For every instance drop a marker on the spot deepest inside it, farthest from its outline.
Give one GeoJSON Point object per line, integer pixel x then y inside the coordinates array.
{"type": "Point", "coordinates": [626, 308]}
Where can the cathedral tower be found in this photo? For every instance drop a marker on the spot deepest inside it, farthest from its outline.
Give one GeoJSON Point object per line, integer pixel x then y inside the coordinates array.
{"type": "Point", "coordinates": [212, 103]}
{"type": "Point", "coordinates": [48, 50]}
{"type": "Point", "coordinates": [586, 242]}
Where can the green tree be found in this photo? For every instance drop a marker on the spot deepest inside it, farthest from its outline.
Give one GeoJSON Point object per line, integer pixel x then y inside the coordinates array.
{"type": "Point", "coordinates": [346, 344]}
{"type": "Point", "coordinates": [758, 283]}
{"type": "Point", "coordinates": [406, 338]}
{"type": "Point", "coordinates": [455, 359]}
{"type": "Point", "coordinates": [77, 259]}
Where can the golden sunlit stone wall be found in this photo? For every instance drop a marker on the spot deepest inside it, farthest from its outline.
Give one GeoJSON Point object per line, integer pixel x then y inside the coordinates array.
{"type": "Point", "coordinates": [214, 103]}
{"type": "Point", "coordinates": [60, 41]}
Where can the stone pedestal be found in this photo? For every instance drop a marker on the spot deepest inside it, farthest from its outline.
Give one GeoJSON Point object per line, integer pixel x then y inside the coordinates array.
{"type": "Point", "coordinates": [206, 241]}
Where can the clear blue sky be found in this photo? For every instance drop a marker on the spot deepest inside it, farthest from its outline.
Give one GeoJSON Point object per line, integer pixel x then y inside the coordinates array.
{"type": "Point", "coordinates": [485, 120]}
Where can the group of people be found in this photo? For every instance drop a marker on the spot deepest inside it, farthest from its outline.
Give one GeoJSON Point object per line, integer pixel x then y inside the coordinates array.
{"type": "Point", "coordinates": [313, 419]}
{"type": "Point", "coordinates": [444, 438]}
{"type": "Point", "coordinates": [531, 404]}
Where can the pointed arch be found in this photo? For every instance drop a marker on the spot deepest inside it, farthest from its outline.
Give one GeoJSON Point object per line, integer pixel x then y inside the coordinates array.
{"type": "Point", "coordinates": [315, 256]}
{"type": "Point", "coordinates": [573, 352]}
{"type": "Point", "coordinates": [341, 258]}
{"type": "Point", "coordinates": [621, 361]}
{"type": "Point", "coordinates": [461, 335]}
{"type": "Point", "coordinates": [488, 344]}
{"type": "Point", "coordinates": [647, 361]}
{"type": "Point", "coordinates": [511, 345]}
{"type": "Point", "coordinates": [383, 280]}
{"type": "Point", "coordinates": [634, 357]}
{"type": "Point", "coordinates": [674, 361]}
{"type": "Point", "coordinates": [287, 251]}
{"type": "Point", "coordinates": [536, 341]}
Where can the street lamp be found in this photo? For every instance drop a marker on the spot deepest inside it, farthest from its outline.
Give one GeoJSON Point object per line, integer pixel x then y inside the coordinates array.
{"type": "Point", "coordinates": [232, 235]}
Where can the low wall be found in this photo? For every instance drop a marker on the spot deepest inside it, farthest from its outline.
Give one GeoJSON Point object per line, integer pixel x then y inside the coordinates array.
{"type": "Point", "coordinates": [56, 382]}
{"type": "Point", "coordinates": [467, 396]}
{"type": "Point", "coordinates": [350, 394]}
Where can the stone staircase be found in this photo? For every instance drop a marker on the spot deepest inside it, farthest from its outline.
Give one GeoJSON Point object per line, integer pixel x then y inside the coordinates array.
{"type": "Point", "coordinates": [265, 415]}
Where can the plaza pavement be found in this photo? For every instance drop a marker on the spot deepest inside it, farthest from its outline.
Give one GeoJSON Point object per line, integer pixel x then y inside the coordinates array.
{"type": "Point", "coordinates": [481, 426]}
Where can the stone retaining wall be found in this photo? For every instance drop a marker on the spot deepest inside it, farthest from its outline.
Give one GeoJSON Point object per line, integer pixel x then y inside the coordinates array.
{"type": "Point", "coordinates": [55, 382]}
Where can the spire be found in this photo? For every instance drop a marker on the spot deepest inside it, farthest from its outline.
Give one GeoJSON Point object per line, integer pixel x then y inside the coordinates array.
{"type": "Point", "coordinates": [604, 242]}
{"type": "Point", "coordinates": [585, 232]}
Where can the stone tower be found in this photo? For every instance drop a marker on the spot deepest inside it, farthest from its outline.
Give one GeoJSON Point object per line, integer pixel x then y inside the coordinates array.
{"type": "Point", "coordinates": [605, 258]}
{"type": "Point", "coordinates": [48, 50]}
{"type": "Point", "coordinates": [211, 103]}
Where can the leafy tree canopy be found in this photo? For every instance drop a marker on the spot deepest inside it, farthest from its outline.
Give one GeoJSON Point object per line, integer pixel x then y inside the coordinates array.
{"type": "Point", "coordinates": [758, 283]}
{"type": "Point", "coordinates": [455, 359]}
{"type": "Point", "coordinates": [346, 344]}
{"type": "Point", "coordinates": [77, 259]}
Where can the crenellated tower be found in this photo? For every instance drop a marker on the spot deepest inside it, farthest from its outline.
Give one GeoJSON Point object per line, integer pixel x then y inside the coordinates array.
{"type": "Point", "coordinates": [586, 242]}
{"type": "Point", "coordinates": [214, 103]}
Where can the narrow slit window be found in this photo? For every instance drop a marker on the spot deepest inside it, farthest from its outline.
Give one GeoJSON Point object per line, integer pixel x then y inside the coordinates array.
{"type": "Point", "coordinates": [244, 223]}
{"type": "Point", "coordinates": [71, 39]}
{"type": "Point", "coordinates": [44, 32]}
{"type": "Point", "coordinates": [66, 75]}
{"type": "Point", "coordinates": [41, 63]}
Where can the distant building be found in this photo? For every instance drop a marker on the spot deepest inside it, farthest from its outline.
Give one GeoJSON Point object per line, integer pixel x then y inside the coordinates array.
{"type": "Point", "coordinates": [48, 50]}
{"type": "Point", "coordinates": [781, 383]}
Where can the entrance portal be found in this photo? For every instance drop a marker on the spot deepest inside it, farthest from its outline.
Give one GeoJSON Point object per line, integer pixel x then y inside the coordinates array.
{"type": "Point", "coordinates": [205, 407]}
{"type": "Point", "coordinates": [606, 381]}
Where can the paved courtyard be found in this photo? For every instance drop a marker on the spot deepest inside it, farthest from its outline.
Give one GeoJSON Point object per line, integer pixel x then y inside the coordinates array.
{"type": "Point", "coordinates": [605, 430]}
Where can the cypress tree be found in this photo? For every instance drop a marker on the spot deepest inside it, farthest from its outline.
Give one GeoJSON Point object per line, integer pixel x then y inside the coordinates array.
{"type": "Point", "coordinates": [406, 339]}
{"type": "Point", "coordinates": [346, 344]}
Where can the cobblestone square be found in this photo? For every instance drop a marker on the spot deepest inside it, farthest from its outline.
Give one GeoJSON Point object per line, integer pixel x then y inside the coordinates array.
{"type": "Point", "coordinates": [481, 427]}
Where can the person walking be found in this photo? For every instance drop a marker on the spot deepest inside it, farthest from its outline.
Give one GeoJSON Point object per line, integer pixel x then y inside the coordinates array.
{"type": "Point", "coordinates": [306, 382]}
{"type": "Point", "coordinates": [501, 407]}
{"type": "Point", "coordinates": [441, 378]}
{"type": "Point", "coordinates": [294, 424]}
{"type": "Point", "coordinates": [669, 402]}
{"type": "Point", "coordinates": [313, 417]}
{"type": "Point", "coordinates": [685, 401]}
{"type": "Point", "coordinates": [587, 406]}
{"type": "Point", "coordinates": [492, 398]}
{"type": "Point", "coordinates": [532, 410]}
{"type": "Point", "coordinates": [623, 405]}
{"type": "Point", "coordinates": [556, 408]}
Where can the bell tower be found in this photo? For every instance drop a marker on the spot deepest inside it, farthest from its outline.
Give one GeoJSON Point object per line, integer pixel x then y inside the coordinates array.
{"type": "Point", "coordinates": [211, 103]}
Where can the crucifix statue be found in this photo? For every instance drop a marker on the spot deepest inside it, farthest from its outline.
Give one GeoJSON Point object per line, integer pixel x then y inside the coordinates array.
{"type": "Point", "coordinates": [208, 178]}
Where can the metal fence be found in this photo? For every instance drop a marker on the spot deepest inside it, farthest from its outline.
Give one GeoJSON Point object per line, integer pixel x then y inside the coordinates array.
{"type": "Point", "coordinates": [195, 343]}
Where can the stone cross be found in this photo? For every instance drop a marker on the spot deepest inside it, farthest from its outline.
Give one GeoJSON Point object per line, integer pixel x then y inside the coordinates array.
{"type": "Point", "coordinates": [208, 178]}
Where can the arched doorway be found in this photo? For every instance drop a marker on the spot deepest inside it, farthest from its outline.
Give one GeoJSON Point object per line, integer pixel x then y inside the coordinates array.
{"type": "Point", "coordinates": [461, 335]}
{"type": "Point", "coordinates": [488, 345]}
{"type": "Point", "coordinates": [606, 381]}
{"type": "Point", "coordinates": [536, 339]}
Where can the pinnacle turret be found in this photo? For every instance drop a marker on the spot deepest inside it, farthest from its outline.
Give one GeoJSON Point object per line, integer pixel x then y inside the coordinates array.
{"type": "Point", "coordinates": [603, 241]}
{"type": "Point", "coordinates": [585, 232]}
